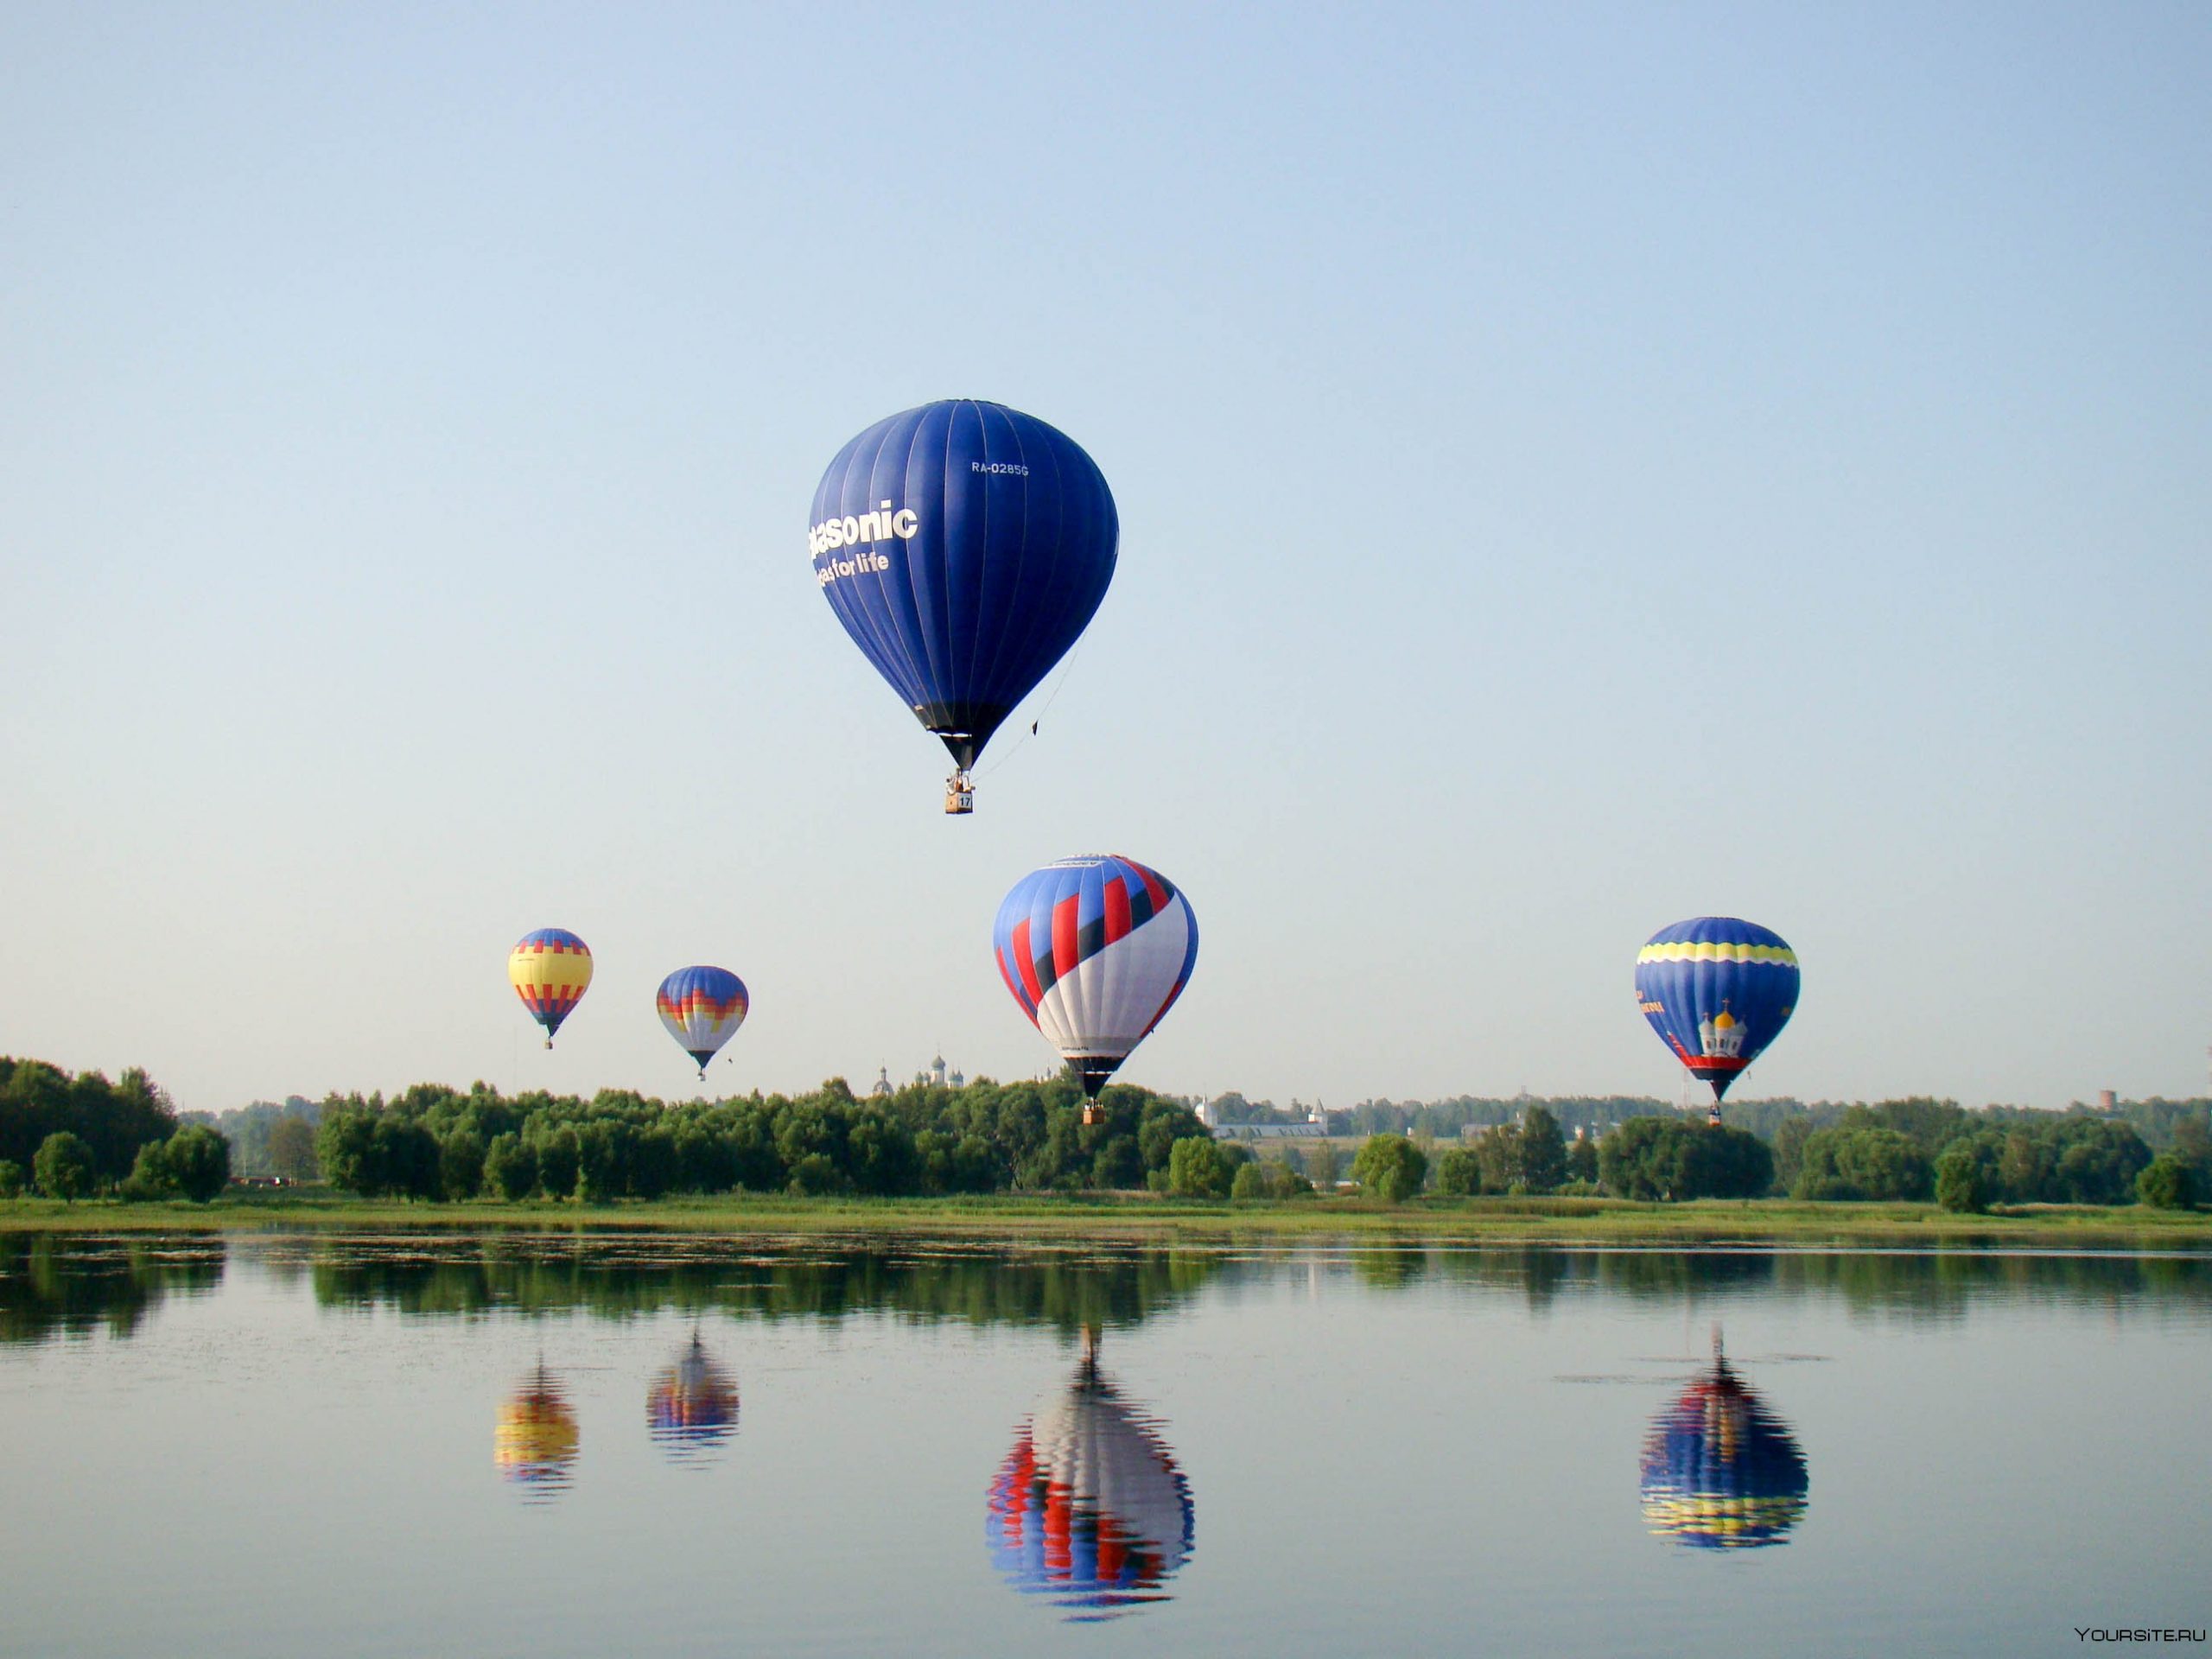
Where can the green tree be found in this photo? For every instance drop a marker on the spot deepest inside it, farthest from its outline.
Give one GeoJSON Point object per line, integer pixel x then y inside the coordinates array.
{"type": "Point", "coordinates": [199, 1162]}
{"type": "Point", "coordinates": [460, 1165]}
{"type": "Point", "coordinates": [1389, 1167]}
{"type": "Point", "coordinates": [511, 1167]}
{"type": "Point", "coordinates": [1269, 1179]}
{"type": "Point", "coordinates": [1864, 1163]}
{"type": "Point", "coordinates": [63, 1167]}
{"type": "Point", "coordinates": [11, 1178]}
{"type": "Point", "coordinates": [1719, 1162]}
{"type": "Point", "coordinates": [1582, 1159]}
{"type": "Point", "coordinates": [1460, 1172]}
{"type": "Point", "coordinates": [557, 1158]}
{"type": "Point", "coordinates": [1962, 1181]}
{"type": "Point", "coordinates": [1543, 1151]}
{"type": "Point", "coordinates": [1497, 1156]}
{"type": "Point", "coordinates": [405, 1157]}
{"type": "Point", "coordinates": [1322, 1162]}
{"type": "Point", "coordinates": [1197, 1168]}
{"type": "Point", "coordinates": [291, 1149]}
{"type": "Point", "coordinates": [2167, 1182]}
{"type": "Point", "coordinates": [150, 1177]}
{"type": "Point", "coordinates": [345, 1147]}
{"type": "Point", "coordinates": [1118, 1165]}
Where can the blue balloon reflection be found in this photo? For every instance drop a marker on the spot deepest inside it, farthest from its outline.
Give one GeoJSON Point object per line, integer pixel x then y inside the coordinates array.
{"type": "Point", "coordinates": [1721, 1470]}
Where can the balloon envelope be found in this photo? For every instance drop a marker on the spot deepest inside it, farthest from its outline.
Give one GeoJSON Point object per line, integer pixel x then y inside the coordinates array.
{"type": "Point", "coordinates": [1090, 1511]}
{"type": "Point", "coordinates": [703, 1008]}
{"type": "Point", "coordinates": [1095, 949]}
{"type": "Point", "coordinates": [965, 545]}
{"type": "Point", "coordinates": [1720, 1470]}
{"type": "Point", "coordinates": [550, 969]}
{"type": "Point", "coordinates": [1717, 991]}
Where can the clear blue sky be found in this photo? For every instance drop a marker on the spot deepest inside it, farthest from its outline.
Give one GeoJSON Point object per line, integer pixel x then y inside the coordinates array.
{"type": "Point", "coordinates": [1578, 467]}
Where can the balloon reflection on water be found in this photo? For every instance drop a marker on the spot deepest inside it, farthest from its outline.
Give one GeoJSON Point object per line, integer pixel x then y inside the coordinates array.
{"type": "Point", "coordinates": [536, 1442]}
{"type": "Point", "coordinates": [1721, 1470]}
{"type": "Point", "coordinates": [692, 1407]}
{"type": "Point", "coordinates": [1090, 1511]}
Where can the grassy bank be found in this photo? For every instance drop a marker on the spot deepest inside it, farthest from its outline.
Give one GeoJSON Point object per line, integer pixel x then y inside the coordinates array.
{"type": "Point", "coordinates": [1137, 1218]}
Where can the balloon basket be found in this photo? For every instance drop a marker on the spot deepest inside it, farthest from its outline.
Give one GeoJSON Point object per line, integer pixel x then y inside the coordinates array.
{"type": "Point", "coordinates": [959, 794]}
{"type": "Point", "coordinates": [1093, 1114]}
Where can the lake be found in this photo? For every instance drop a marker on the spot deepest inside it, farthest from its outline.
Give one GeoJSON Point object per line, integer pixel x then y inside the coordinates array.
{"type": "Point", "coordinates": [638, 1444]}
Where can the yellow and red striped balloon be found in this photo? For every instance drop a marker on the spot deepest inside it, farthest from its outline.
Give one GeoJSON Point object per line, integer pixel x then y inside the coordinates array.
{"type": "Point", "coordinates": [550, 970]}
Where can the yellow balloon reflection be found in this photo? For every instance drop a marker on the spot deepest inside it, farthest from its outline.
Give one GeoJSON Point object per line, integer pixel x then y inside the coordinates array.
{"type": "Point", "coordinates": [1090, 1511]}
{"type": "Point", "coordinates": [536, 1441]}
{"type": "Point", "coordinates": [692, 1406]}
{"type": "Point", "coordinates": [1720, 1469]}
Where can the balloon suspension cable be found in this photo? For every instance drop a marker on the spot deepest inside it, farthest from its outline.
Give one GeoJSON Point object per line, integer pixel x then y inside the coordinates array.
{"type": "Point", "coordinates": [1066, 669]}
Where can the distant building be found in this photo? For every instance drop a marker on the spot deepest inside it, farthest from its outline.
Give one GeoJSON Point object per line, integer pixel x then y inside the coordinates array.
{"type": "Point", "coordinates": [2107, 1101]}
{"type": "Point", "coordinates": [937, 1075]}
{"type": "Point", "coordinates": [1268, 1131]}
{"type": "Point", "coordinates": [882, 1081]}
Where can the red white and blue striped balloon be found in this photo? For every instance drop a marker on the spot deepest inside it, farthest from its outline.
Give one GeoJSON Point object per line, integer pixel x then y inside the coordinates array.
{"type": "Point", "coordinates": [703, 1008]}
{"type": "Point", "coordinates": [1095, 949]}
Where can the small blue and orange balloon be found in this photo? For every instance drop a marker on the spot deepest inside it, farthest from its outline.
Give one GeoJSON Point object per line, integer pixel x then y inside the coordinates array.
{"type": "Point", "coordinates": [550, 970]}
{"type": "Point", "coordinates": [703, 1008]}
{"type": "Point", "coordinates": [1717, 991]}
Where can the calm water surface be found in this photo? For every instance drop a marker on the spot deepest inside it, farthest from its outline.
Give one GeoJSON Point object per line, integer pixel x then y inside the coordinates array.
{"type": "Point", "coordinates": [416, 1444]}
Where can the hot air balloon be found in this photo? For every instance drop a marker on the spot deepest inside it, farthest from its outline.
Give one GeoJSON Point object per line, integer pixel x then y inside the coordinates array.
{"type": "Point", "coordinates": [1095, 949]}
{"type": "Point", "coordinates": [536, 1438]}
{"type": "Point", "coordinates": [1720, 1470]}
{"type": "Point", "coordinates": [1090, 1511]}
{"type": "Point", "coordinates": [550, 970]}
{"type": "Point", "coordinates": [1717, 991]}
{"type": "Point", "coordinates": [965, 545]}
{"type": "Point", "coordinates": [703, 1008]}
{"type": "Point", "coordinates": [693, 1406]}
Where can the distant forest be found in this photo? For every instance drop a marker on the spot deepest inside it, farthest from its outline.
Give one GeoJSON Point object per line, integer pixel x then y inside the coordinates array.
{"type": "Point", "coordinates": [2157, 1119]}
{"type": "Point", "coordinates": [433, 1141]}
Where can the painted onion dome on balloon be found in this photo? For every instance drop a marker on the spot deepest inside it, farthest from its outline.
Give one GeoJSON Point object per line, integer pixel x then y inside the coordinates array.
{"type": "Point", "coordinates": [703, 1008]}
{"type": "Point", "coordinates": [964, 546]}
{"type": "Point", "coordinates": [1720, 1469]}
{"type": "Point", "coordinates": [1717, 991]}
{"type": "Point", "coordinates": [550, 970]}
{"type": "Point", "coordinates": [1089, 1511]}
{"type": "Point", "coordinates": [1095, 949]}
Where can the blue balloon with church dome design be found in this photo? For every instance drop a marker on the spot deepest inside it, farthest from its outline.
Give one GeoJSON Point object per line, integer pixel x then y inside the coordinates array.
{"type": "Point", "coordinates": [1717, 990]}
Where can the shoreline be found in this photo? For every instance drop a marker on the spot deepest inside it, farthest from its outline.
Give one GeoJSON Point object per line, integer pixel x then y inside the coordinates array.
{"type": "Point", "coordinates": [1751, 1222]}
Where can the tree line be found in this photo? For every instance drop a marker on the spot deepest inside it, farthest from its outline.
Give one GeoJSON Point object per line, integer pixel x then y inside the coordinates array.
{"type": "Point", "coordinates": [432, 1142]}
{"type": "Point", "coordinates": [1900, 1151]}
{"type": "Point", "coordinates": [78, 1137]}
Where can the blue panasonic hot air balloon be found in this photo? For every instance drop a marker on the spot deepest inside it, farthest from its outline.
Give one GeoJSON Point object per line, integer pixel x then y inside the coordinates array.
{"type": "Point", "coordinates": [1717, 991]}
{"type": "Point", "coordinates": [965, 545]}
